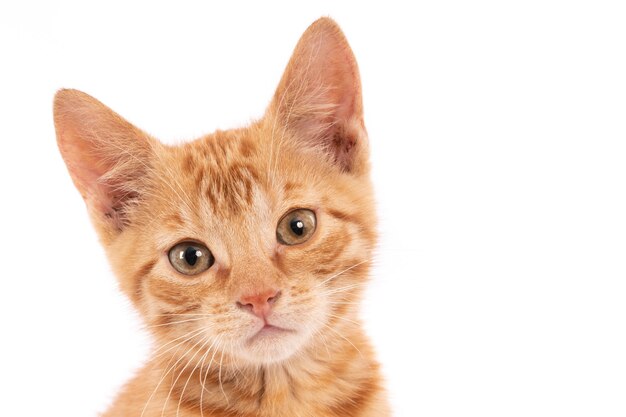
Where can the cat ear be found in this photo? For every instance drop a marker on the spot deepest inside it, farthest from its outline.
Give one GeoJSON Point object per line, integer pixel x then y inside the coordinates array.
{"type": "Point", "coordinates": [319, 97]}
{"type": "Point", "coordinates": [107, 157]}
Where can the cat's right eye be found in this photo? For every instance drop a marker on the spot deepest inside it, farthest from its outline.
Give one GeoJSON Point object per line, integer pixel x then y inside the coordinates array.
{"type": "Point", "coordinates": [190, 258]}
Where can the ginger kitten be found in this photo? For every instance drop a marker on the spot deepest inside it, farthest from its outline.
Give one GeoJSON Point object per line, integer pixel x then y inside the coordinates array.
{"type": "Point", "coordinates": [245, 251]}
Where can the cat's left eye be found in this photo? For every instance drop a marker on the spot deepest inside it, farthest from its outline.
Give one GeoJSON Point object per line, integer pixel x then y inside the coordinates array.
{"type": "Point", "coordinates": [190, 258]}
{"type": "Point", "coordinates": [296, 227]}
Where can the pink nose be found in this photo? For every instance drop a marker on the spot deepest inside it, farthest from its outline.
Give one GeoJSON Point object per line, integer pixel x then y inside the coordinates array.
{"type": "Point", "coordinates": [259, 303]}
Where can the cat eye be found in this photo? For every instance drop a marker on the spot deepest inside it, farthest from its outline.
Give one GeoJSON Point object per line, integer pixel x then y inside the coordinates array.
{"type": "Point", "coordinates": [190, 258]}
{"type": "Point", "coordinates": [296, 227]}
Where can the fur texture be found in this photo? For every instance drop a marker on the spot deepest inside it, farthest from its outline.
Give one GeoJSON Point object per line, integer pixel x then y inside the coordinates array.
{"type": "Point", "coordinates": [228, 191]}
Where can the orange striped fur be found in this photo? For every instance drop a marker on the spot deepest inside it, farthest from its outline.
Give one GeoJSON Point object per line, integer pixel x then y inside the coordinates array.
{"type": "Point", "coordinates": [228, 190]}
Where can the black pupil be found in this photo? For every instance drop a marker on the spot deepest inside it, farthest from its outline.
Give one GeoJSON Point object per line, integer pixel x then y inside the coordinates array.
{"type": "Point", "coordinates": [191, 255]}
{"type": "Point", "coordinates": [297, 226]}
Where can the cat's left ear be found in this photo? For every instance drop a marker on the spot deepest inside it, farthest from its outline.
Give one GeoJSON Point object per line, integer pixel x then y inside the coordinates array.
{"type": "Point", "coordinates": [319, 98]}
{"type": "Point", "coordinates": [107, 157]}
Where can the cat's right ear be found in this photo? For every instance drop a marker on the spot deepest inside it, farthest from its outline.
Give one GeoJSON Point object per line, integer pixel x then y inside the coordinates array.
{"type": "Point", "coordinates": [318, 99]}
{"type": "Point", "coordinates": [107, 157]}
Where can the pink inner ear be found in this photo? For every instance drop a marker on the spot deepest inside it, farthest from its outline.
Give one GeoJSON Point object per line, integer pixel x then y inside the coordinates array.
{"type": "Point", "coordinates": [96, 143]}
{"type": "Point", "coordinates": [84, 170]}
{"type": "Point", "coordinates": [86, 173]}
{"type": "Point", "coordinates": [319, 96]}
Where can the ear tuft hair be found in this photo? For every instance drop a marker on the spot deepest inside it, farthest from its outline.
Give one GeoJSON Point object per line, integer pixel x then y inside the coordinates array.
{"type": "Point", "coordinates": [107, 157]}
{"type": "Point", "coordinates": [319, 97]}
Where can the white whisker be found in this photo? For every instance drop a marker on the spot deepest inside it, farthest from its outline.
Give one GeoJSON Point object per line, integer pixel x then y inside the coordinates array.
{"type": "Point", "coordinates": [220, 378]}
{"type": "Point", "coordinates": [193, 334]}
{"type": "Point", "coordinates": [173, 384]}
{"type": "Point", "coordinates": [339, 273]}
{"type": "Point", "coordinates": [168, 370]}
{"type": "Point", "coordinates": [169, 323]}
{"type": "Point", "coordinates": [180, 399]}
{"type": "Point", "coordinates": [202, 382]}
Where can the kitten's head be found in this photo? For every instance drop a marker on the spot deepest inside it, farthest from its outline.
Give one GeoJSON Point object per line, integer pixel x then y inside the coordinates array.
{"type": "Point", "coordinates": [252, 240]}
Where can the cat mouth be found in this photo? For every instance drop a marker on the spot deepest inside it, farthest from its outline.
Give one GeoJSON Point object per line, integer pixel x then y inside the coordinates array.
{"type": "Point", "coordinates": [269, 331]}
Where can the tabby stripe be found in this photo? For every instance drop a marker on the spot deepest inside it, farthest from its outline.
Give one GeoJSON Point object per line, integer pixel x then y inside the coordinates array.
{"type": "Point", "coordinates": [141, 273]}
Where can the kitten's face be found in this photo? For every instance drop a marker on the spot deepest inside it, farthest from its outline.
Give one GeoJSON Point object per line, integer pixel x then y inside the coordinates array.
{"type": "Point", "coordinates": [232, 205]}
{"type": "Point", "coordinates": [254, 242]}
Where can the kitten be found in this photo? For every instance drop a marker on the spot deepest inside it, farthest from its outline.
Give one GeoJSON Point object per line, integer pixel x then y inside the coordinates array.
{"type": "Point", "coordinates": [245, 251]}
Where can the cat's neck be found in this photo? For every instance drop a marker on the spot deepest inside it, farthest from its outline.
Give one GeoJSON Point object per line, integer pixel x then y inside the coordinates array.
{"type": "Point", "coordinates": [334, 372]}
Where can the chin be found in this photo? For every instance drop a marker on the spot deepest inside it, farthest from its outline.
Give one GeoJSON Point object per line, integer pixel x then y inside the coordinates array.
{"type": "Point", "coordinates": [271, 345]}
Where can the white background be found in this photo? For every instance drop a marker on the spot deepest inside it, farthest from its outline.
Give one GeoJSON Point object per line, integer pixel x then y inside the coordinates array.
{"type": "Point", "coordinates": [498, 134]}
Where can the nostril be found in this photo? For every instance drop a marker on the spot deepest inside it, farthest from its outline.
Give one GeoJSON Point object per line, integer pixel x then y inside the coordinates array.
{"type": "Point", "coordinates": [274, 298]}
{"type": "Point", "coordinates": [246, 306]}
